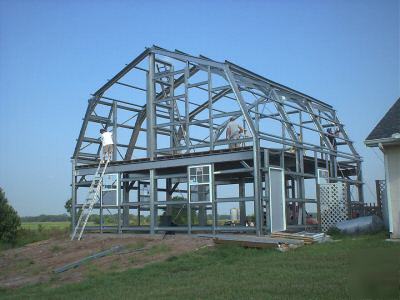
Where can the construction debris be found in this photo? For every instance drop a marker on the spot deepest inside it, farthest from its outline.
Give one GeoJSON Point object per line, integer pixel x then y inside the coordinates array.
{"type": "Point", "coordinates": [253, 241]}
{"type": "Point", "coordinates": [87, 259]}
{"type": "Point", "coordinates": [286, 247]}
{"type": "Point", "coordinates": [307, 237]}
{"type": "Point", "coordinates": [116, 249]}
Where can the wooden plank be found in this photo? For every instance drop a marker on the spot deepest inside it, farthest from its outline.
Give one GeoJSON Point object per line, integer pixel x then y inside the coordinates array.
{"type": "Point", "coordinates": [250, 240]}
{"type": "Point", "coordinates": [307, 237]}
{"type": "Point", "coordinates": [245, 244]}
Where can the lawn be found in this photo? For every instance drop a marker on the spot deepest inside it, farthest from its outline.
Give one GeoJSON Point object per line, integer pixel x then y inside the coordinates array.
{"type": "Point", "coordinates": [45, 225]}
{"type": "Point", "coordinates": [31, 232]}
{"type": "Point", "coordinates": [361, 267]}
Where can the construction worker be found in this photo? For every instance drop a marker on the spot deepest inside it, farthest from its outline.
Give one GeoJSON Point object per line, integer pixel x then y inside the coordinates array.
{"type": "Point", "coordinates": [107, 144]}
{"type": "Point", "coordinates": [233, 131]}
{"type": "Point", "coordinates": [332, 137]}
{"type": "Point", "coordinates": [300, 139]}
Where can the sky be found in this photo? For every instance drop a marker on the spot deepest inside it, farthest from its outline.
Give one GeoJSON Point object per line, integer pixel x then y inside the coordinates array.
{"type": "Point", "coordinates": [54, 54]}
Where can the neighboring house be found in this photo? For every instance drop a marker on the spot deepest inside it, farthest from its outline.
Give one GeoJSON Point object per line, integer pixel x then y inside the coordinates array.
{"type": "Point", "coordinates": [386, 136]}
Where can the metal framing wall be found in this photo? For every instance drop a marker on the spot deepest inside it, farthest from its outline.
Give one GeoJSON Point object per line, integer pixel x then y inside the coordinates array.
{"type": "Point", "coordinates": [168, 110]}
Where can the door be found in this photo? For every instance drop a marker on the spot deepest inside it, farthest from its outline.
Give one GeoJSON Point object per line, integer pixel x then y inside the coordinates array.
{"type": "Point", "coordinates": [277, 199]}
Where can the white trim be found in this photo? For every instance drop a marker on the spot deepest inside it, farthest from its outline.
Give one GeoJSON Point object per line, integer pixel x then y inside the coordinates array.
{"type": "Point", "coordinates": [283, 197]}
{"type": "Point", "coordinates": [386, 141]}
{"type": "Point", "coordinates": [210, 183]}
{"type": "Point", "coordinates": [319, 177]}
{"type": "Point", "coordinates": [388, 195]}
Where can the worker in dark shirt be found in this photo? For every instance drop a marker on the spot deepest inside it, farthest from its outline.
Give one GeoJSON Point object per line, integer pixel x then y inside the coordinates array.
{"type": "Point", "coordinates": [332, 137]}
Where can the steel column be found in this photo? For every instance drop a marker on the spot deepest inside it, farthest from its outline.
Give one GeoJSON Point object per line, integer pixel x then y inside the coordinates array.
{"type": "Point", "coordinates": [242, 204]}
{"type": "Point", "coordinates": [256, 151]}
{"type": "Point", "coordinates": [153, 198]}
{"type": "Point", "coordinates": [151, 109]}
{"type": "Point", "coordinates": [115, 133]}
{"type": "Point", "coordinates": [73, 196]}
{"type": "Point", "coordinates": [125, 200]}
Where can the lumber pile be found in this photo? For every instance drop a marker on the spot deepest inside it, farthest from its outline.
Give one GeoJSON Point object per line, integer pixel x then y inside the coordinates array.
{"type": "Point", "coordinates": [250, 241]}
{"type": "Point", "coordinates": [307, 237]}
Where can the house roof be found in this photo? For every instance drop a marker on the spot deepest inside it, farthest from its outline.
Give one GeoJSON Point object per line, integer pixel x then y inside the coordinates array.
{"type": "Point", "coordinates": [387, 126]}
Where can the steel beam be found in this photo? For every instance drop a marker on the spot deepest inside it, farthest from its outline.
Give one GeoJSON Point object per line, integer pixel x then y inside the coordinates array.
{"type": "Point", "coordinates": [242, 204]}
{"type": "Point", "coordinates": [171, 163]}
{"type": "Point", "coordinates": [90, 108]}
{"type": "Point", "coordinates": [143, 113]}
{"type": "Point", "coordinates": [73, 196]}
{"type": "Point", "coordinates": [256, 151]}
{"type": "Point", "coordinates": [153, 199]}
{"type": "Point", "coordinates": [151, 110]}
{"type": "Point", "coordinates": [122, 73]}
{"type": "Point", "coordinates": [115, 131]}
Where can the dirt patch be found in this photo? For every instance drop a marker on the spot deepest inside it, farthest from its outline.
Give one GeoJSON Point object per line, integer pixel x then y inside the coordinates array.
{"type": "Point", "coordinates": [36, 262]}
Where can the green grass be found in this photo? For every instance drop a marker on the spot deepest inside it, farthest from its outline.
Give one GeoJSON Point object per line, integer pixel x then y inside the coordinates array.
{"type": "Point", "coordinates": [45, 225]}
{"type": "Point", "coordinates": [56, 248]}
{"type": "Point", "coordinates": [51, 225]}
{"type": "Point", "coordinates": [31, 232]}
{"type": "Point", "coordinates": [157, 249]}
{"type": "Point", "coordinates": [325, 271]}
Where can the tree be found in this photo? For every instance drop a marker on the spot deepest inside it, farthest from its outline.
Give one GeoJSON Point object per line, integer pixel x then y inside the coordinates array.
{"type": "Point", "coordinates": [9, 220]}
{"type": "Point", "coordinates": [68, 206]}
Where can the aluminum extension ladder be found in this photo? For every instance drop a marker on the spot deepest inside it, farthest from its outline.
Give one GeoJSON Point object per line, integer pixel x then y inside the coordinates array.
{"type": "Point", "coordinates": [181, 133]}
{"type": "Point", "coordinates": [92, 198]}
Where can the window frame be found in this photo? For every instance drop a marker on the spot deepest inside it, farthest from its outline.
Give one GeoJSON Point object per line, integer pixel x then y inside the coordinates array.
{"type": "Point", "coordinates": [196, 182]}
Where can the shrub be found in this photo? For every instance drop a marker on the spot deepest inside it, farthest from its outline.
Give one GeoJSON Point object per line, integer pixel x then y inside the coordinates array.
{"type": "Point", "coordinates": [95, 219]}
{"type": "Point", "coordinates": [46, 218]}
{"type": "Point", "coordinates": [334, 232]}
{"type": "Point", "coordinates": [40, 228]}
{"type": "Point", "coordinates": [68, 206]}
{"type": "Point", "coordinates": [9, 220]}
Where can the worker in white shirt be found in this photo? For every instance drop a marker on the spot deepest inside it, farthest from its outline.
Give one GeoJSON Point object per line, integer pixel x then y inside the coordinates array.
{"type": "Point", "coordinates": [233, 131]}
{"type": "Point", "coordinates": [107, 144]}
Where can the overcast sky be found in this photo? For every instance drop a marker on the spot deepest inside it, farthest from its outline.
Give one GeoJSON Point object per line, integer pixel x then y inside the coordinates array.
{"type": "Point", "coordinates": [53, 54]}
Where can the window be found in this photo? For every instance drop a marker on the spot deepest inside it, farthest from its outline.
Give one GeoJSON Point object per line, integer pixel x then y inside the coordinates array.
{"type": "Point", "coordinates": [109, 191]}
{"type": "Point", "coordinates": [200, 186]}
{"type": "Point", "coordinates": [323, 176]}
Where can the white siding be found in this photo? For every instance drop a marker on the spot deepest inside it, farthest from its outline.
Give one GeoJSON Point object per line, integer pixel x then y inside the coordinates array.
{"type": "Point", "coordinates": [392, 173]}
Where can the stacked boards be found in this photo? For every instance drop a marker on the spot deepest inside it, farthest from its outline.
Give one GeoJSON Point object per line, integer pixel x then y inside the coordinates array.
{"type": "Point", "coordinates": [250, 241]}
{"type": "Point", "coordinates": [307, 237]}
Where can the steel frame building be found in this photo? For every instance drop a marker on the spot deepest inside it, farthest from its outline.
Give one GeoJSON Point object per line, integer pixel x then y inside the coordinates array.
{"type": "Point", "coordinates": [168, 111]}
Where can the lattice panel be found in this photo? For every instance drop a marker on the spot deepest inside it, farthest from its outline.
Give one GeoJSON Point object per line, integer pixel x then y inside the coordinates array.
{"type": "Point", "coordinates": [381, 193]}
{"type": "Point", "coordinates": [334, 204]}
{"type": "Point", "coordinates": [381, 199]}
